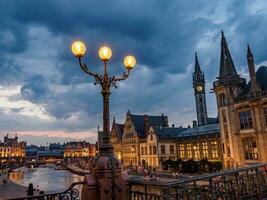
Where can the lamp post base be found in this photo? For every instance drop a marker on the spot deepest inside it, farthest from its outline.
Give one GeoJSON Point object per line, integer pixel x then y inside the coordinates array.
{"type": "Point", "coordinates": [107, 180]}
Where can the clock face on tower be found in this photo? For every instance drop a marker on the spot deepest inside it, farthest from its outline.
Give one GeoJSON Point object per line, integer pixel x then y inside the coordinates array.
{"type": "Point", "coordinates": [199, 88]}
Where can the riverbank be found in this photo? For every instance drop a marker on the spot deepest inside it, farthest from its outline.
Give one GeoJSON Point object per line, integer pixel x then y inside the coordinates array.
{"type": "Point", "coordinates": [76, 170]}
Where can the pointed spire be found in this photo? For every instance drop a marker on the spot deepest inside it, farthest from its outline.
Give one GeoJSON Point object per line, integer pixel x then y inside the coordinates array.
{"type": "Point", "coordinates": [249, 52]}
{"type": "Point", "coordinates": [227, 67]}
{"type": "Point", "coordinates": [252, 73]}
{"type": "Point", "coordinates": [250, 60]}
{"type": "Point", "coordinates": [197, 66]}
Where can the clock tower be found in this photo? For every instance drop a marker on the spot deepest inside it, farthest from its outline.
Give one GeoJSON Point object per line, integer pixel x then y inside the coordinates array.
{"type": "Point", "coordinates": [200, 97]}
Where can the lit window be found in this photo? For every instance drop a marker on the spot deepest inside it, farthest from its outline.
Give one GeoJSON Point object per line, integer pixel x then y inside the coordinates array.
{"type": "Point", "coordinates": [196, 152]}
{"type": "Point", "coordinates": [189, 150]}
{"type": "Point", "coordinates": [154, 150]}
{"type": "Point", "coordinates": [181, 150]}
{"type": "Point", "coordinates": [245, 120]}
{"type": "Point", "coordinates": [205, 149]}
{"type": "Point", "coordinates": [150, 149]}
{"type": "Point", "coordinates": [214, 149]}
{"type": "Point", "coordinates": [250, 148]}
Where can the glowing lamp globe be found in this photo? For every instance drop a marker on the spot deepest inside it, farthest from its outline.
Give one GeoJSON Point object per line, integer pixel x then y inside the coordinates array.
{"type": "Point", "coordinates": [105, 53]}
{"type": "Point", "coordinates": [129, 62]}
{"type": "Point", "coordinates": [78, 48]}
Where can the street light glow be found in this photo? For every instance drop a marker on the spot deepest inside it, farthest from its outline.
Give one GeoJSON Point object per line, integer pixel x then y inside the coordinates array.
{"type": "Point", "coordinates": [105, 53]}
{"type": "Point", "coordinates": [129, 62]}
{"type": "Point", "coordinates": [78, 48]}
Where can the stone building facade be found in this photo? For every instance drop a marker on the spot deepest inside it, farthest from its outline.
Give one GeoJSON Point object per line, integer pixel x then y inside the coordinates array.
{"type": "Point", "coordinates": [136, 130]}
{"type": "Point", "coordinates": [75, 150]}
{"type": "Point", "coordinates": [158, 146]}
{"type": "Point", "coordinates": [128, 138]}
{"type": "Point", "coordinates": [116, 138]}
{"type": "Point", "coordinates": [198, 143]}
{"type": "Point", "coordinates": [11, 150]}
{"type": "Point", "coordinates": [242, 109]}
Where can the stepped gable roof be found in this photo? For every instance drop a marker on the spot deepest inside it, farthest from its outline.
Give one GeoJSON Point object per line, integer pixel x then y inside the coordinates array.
{"type": "Point", "coordinates": [154, 121]}
{"type": "Point", "coordinates": [261, 75]}
{"type": "Point", "coordinates": [169, 132]}
{"type": "Point", "coordinates": [119, 129]}
{"type": "Point", "coordinates": [201, 130]}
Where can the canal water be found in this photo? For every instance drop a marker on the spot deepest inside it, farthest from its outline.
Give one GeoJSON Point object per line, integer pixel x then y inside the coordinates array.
{"type": "Point", "coordinates": [45, 178]}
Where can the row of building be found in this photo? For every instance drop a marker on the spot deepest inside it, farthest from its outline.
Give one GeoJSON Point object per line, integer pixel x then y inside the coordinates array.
{"type": "Point", "coordinates": [11, 150]}
{"type": "Point", "coordinates": [148, 141]}
{"type": "Point", "coordinates": [238, 136]}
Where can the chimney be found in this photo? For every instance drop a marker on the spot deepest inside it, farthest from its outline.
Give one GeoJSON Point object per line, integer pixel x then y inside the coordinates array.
{"type": "Point", "coordinates": [194, 123]}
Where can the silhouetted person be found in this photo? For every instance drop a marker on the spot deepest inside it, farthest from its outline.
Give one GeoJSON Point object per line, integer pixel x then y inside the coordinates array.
{"type": "Point", "coordinates": [30, 190]}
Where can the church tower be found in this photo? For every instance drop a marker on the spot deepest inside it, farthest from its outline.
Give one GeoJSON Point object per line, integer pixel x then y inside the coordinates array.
{"type": "Point", "coordinates": [227, 88]}
{"type": "Point", "coordinates": [200, 97]}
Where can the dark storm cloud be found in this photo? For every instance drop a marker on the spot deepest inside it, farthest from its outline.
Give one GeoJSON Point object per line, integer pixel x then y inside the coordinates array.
{"type": "Point", "coordinates": [35, 37]}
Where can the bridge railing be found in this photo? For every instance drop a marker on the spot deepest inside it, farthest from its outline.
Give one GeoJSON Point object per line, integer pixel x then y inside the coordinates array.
{"type": "Point", "coordinates": [239, 184]}
{"type": "Point", "coordinates": [72, 193]}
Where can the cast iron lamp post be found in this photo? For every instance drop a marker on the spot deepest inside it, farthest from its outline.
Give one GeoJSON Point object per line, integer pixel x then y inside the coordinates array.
{"type": "Point", "coordinates": [106, 82]}
{"type": "Point", "coordinates": [106, 171]}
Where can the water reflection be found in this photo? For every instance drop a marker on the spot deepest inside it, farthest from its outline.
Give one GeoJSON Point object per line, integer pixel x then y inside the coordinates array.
{"type": "Point", "coordinates": [46, 177]}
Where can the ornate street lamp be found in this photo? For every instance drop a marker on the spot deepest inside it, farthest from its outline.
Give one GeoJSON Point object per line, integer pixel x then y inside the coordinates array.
{"type": "Point", "coordinates": [106, 82]}
{"type": "Point", "coordinates": [105, 166]}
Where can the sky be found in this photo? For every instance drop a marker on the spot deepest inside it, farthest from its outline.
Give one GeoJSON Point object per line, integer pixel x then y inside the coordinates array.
{"type": "Point", "coordinates": [45, 97]}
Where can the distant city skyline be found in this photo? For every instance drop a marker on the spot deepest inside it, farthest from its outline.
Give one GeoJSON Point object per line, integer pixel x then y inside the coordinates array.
{"type": "Point", "coordinates": [44, 96]}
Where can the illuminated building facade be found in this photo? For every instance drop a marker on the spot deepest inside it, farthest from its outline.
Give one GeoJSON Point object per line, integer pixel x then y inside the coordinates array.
{"type": "Point", "coordinates": [198, 143]}
{"type": "Point", "coordinates": [79, 150]}
{"type": "Point", "coordinates": [11, 150]}
{"type": "Point", "coordinates": [242, 109]}
{"type": "Point", "coordinates": [116, 138]}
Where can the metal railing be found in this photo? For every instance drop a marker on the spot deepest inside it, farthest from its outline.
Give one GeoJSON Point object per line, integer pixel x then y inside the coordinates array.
{"type": "Point", "coordinates": [72, 193]}
{"type": "Point", "coordinates": [238, 184]}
